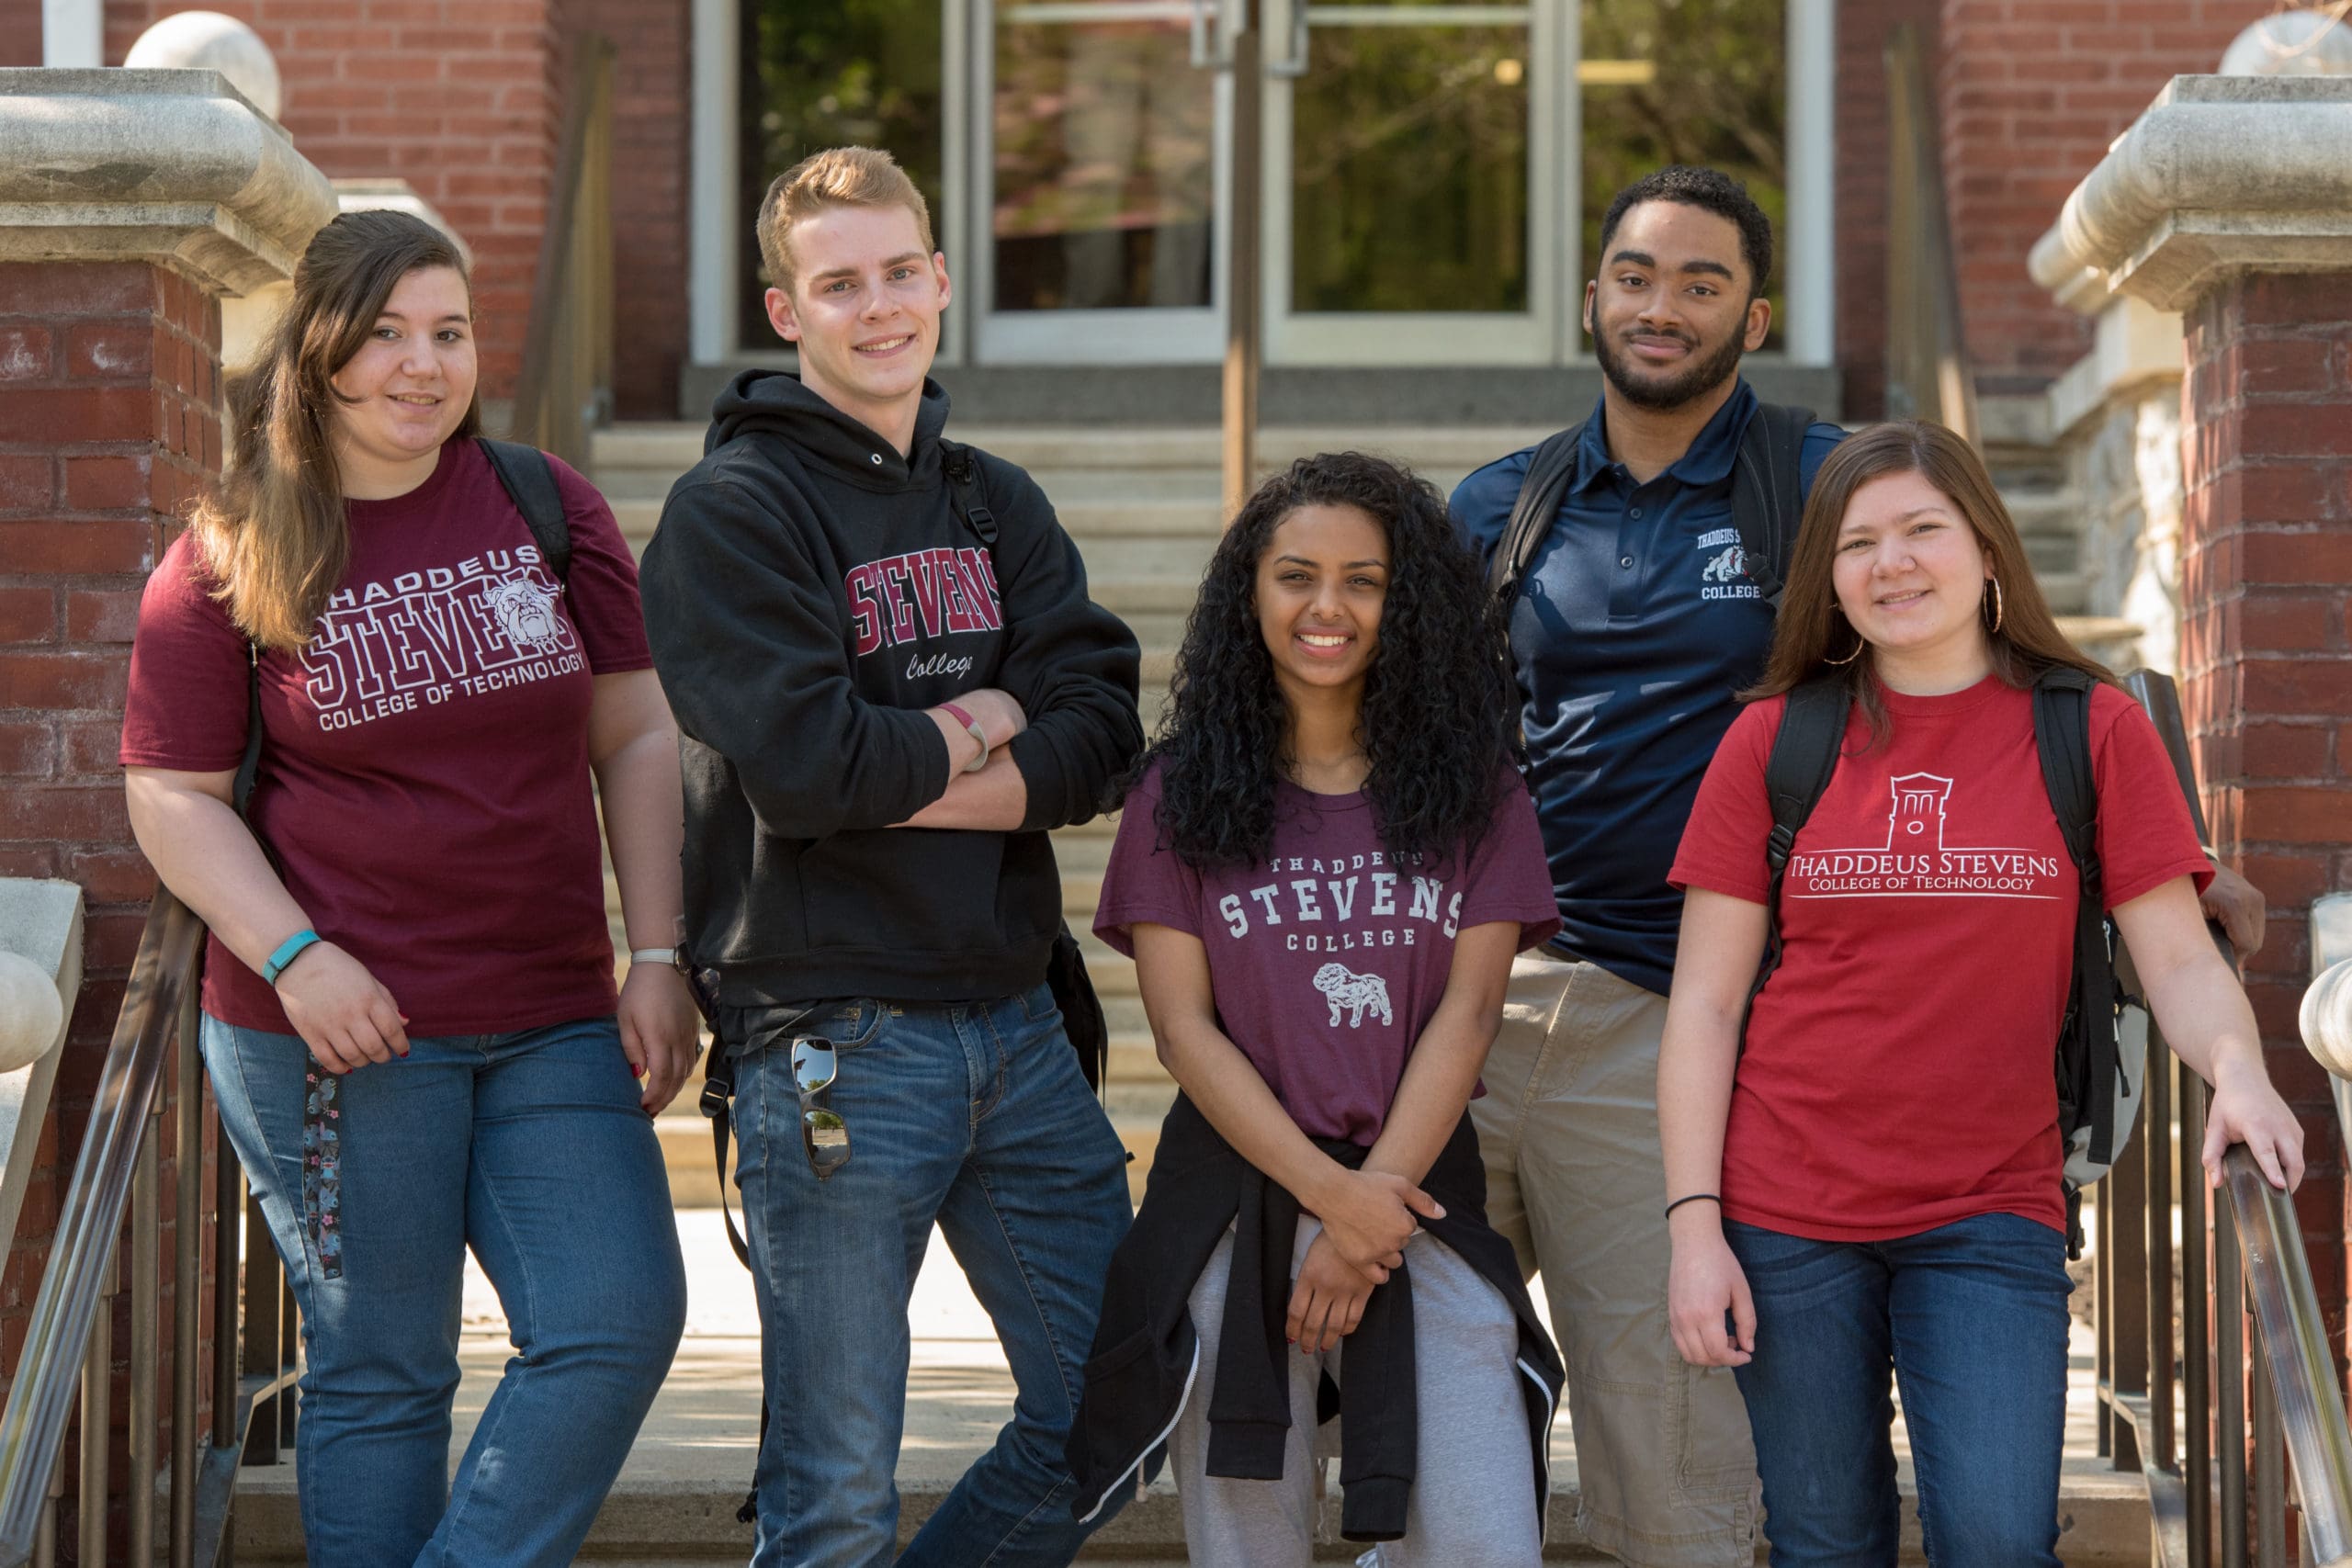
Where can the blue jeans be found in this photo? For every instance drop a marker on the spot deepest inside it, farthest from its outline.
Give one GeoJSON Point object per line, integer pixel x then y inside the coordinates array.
{"type": "Point", "coordinates": [973, 1114]}
{"type": "Point", "coordinates": [530, 1149]}
{"type": "Point", "coordinates": [1971, 1319]}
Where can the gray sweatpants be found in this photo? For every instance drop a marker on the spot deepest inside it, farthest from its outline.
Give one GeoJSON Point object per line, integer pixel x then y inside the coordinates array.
{"type": "Point", "coordinates": [1473, 1503]}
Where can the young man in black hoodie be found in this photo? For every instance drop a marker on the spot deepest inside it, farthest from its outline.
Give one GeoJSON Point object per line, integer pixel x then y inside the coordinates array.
{"type": "Point", "coordinates": [890, 683]}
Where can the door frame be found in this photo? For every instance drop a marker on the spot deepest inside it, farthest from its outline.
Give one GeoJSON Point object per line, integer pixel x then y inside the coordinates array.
{"type": "Point", "coordinates": [715, 227]}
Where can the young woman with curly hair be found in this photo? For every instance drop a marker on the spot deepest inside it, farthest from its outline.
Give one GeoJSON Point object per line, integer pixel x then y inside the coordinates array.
{"type": "Point", "coordinates": [1323, 870]}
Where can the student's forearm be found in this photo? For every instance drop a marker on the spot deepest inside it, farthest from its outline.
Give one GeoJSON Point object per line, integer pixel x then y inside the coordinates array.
{"type": "Point", "coordinates": [995, 799]}
{"type": "Point", "coordinates": [1431, 1098]}
{"type": "Point", "coordinates": [1696, 1060]}
{"type": "Point", "coordinates": [207, 857]}
{"type": "Point", "coordinates": [1226, 1088]}
{"type": "Point", "coordinates": [2205, 1018]}
{"type": "Point", "coordinates": [644, 826]}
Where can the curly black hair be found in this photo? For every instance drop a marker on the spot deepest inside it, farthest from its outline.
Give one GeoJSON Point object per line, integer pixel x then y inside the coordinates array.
{"type": "Point", "coordinates": [1436, 708]}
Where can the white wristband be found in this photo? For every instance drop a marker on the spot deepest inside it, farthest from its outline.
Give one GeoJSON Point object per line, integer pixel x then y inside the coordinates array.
{"type": "Point", "coordinates": [667, 956]}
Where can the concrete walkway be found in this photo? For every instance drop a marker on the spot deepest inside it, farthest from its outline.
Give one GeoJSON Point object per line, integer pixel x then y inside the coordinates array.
{"type": "Point", "coordinates": [677, 1499]}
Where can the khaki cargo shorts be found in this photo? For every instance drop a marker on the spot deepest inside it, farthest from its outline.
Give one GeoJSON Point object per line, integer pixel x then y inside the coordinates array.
{"type": "Point", "coordinates": [1568, 1126]}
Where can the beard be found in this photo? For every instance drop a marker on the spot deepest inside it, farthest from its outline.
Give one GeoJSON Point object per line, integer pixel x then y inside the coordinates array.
{"type": "Point", "coordinates": [1710, 371]}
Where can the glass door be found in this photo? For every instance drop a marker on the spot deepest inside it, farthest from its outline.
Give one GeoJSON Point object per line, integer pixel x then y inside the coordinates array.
{"type": "Point", "coordinates": [1100, 184]}
{"type": "Point", "coordinates": [1413, 182]}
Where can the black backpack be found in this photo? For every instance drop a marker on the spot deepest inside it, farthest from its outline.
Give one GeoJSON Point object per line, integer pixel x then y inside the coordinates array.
{"type": "Point", "coordinates": [2098, 1100]}
{"type": "Point", "coordinates": [1767, 500]}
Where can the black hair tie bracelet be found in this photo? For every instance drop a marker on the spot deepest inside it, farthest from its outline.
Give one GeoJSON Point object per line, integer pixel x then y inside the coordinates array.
{"type": "Point", "coordinates": [1694, 1197]}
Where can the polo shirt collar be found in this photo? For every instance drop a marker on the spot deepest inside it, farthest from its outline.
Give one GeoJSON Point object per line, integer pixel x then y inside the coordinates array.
{"type": "Point", "coordinates": [1708, 460]}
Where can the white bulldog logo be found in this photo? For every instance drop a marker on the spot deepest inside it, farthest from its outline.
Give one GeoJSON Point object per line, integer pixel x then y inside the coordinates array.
{"type": "Point", "coordinates": [1355, 992]}
{"type": "Point", "coordinates": [525, 613]}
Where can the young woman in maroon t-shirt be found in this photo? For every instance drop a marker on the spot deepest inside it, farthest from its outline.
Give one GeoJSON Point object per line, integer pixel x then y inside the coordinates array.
{"type": "Point", "coordinates": [1323, 874]}
{"type": "Point", "coordinates": [410, 1018]}
{"type": "Point", "coordinates": [1864, 1174]}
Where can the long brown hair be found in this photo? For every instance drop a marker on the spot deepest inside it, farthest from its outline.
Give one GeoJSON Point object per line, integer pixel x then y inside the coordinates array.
{"type": "Point", "coordinates": [1811, 631]}
{"type": "Point", "coordinates": [272, 532]}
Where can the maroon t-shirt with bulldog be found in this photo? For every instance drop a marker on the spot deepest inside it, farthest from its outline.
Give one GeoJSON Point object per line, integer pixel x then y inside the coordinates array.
{"type": "Point", "coordinates": [424, 782]}
{"type": "Point", "coordinates": [1328, 957]}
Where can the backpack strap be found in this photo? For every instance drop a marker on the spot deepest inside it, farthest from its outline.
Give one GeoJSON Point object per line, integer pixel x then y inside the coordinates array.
{"type": "Point", "coordinates": [1540, 495]}
{"type": "Point", "coordinates": [968, 493]}
{"type": "Point", "coordinates": [1767, 493]}
{"type": "Point", "coordinates": [529, 481]}
{"type": "Point", "coordinates": [1804, 754]}
{"type": "Point", "coordinates": [2061, 734]}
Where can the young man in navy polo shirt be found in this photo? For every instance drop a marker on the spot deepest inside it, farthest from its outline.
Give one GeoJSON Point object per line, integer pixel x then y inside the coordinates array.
{"type": "Point", "coordinates": [1634, 625]}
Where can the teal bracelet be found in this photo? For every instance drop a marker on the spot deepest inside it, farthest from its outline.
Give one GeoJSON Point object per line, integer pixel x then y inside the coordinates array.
{"type": "Point", "coordinates": [287, 952]}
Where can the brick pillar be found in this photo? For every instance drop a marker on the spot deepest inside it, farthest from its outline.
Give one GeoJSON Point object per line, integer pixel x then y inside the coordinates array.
{"type": "Point", "coordinates": [2224, 202]}
{"type": "Point", "coordinates": [2266, 588]}
{"type": "Point", "coordinates": [109, 390]}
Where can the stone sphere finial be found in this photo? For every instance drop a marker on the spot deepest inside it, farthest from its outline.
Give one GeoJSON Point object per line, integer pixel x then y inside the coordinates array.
{"type": "Point", "coordinates": [31, 1012]}
{"type": "Point", "coordinates": [206, 40]}
{"type": "Point", "coordinates": [2326, 1019]}
{"type": "Point", "coordinates": [2291, 43]}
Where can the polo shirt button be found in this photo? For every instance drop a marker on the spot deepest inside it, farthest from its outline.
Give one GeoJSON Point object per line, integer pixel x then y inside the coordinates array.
{"type": "Point", "coordinates": [1624, 561]}
{"type": "Point", "coordinates": [876, 457]}
{"type": "Point", "coordinates": [1637, 512]}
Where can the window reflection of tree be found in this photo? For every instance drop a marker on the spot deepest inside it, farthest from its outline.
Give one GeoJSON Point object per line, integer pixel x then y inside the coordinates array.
{"type": "Point", "coordinates": [1716, 93]}
{"type": "Point", "coordinates": [1408, 158]}
{"type": "Point", "coordinates": [1105, 137]}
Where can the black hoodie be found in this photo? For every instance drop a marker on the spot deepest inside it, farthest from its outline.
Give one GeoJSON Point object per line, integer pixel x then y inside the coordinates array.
{"type": "Point", "coordinates": [807, 594]}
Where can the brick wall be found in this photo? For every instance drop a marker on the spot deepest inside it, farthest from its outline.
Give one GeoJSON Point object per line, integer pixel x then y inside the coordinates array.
{"type": "Point", "coordinates": [459, 100]}
{"type": "Point", "coordinates": [108, 377]}
{"type": "Point", "coordinates": [19, 32]}
{"type": "Point", "coordinates": [653, 121]}
{"type": "Point", "coordinates": [2032, 92]}
{"type": "Point", "coordinates": [2266, 655]}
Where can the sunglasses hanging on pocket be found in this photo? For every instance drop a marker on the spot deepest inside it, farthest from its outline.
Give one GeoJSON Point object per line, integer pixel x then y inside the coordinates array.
{"type": "Point", "coordinates": [824, 1137]}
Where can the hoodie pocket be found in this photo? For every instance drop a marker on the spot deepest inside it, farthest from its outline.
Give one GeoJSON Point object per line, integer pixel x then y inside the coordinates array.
{"type": "Point", "coordinates": [903, 890]}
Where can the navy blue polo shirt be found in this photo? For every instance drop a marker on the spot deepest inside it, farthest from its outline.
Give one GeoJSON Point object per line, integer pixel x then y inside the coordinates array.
{"type": "Point", "coordinates": [1634, 625]}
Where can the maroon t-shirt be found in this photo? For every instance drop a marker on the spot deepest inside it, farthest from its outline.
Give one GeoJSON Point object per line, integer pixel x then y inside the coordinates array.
{"type": "Point", "coordinates": [1328, 957]}
{"type": "Point", "coordinates": [424, 782]}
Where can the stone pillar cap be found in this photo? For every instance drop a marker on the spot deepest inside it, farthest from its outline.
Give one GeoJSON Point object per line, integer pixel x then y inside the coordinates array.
{"type": "Point", "coordinates": [2219, 174]}
{"type": "Point", "coordinates": [167, 166]}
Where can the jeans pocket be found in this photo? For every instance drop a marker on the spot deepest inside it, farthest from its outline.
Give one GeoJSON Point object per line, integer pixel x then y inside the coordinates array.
{"type": "Point", "coordinates": [849, 1025]}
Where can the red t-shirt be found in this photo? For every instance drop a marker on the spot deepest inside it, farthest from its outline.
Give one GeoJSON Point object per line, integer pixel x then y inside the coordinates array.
{"type": "Point", "coordinates": [1329, 958]}
{"type": "Point", "coordinates": [424, 780]}
{"type": "Point", "coordinates": [1897, 1068]}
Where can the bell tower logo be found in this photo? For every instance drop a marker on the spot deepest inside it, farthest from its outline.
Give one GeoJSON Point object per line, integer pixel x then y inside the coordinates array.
{"type": "Point", "coordinates": [1916, 819]}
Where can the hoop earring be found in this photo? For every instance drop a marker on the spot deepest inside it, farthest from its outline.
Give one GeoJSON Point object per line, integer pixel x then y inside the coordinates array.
{"type": "Point", "coordinates": [1994, 584]}
{"type": "Point", "coordinates": [1859, 645]}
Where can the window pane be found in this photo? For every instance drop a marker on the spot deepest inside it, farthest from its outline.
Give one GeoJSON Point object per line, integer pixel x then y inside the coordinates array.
{"type": "Point", "coordinates": [850, 72]}
{"type": "Point", "coordinates": [1409, 167]}
{"type": "Point", "coordinates": [1105, 141]}
{"type": "Point", "coordinates": [1684, 82]}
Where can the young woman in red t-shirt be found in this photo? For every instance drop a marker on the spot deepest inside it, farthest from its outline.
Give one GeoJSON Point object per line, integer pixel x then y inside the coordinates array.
{"type": "Point", "coordinates": [409, 1017]}
{"type": "Point", "coordinates": [1865, 1177]}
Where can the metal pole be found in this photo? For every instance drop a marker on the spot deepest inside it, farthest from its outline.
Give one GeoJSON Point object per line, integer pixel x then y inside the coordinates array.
{"type": "Point", "coordinates": [260, 1336]}
{"type": "Point", "coordinates": [2196, 1375]}
{"type": "Point", "coordinates": [1244, 347]}
{"type": "Point", "coordinates": [229, 1205]}
{"type": "Point", "coordinates": [2156, 1134]}
{"type": "Point", "coordinates": [2270, 1464]}
{"type": "Point", "coordinates": [2230, 1369]}
{"type": "Point", "coordinates": [187, 1312]}
{"type": "Point", "coordinates": [45, 1537]}
{"type": "Point", "coordinates": [97, 1424]}
{"type": "Point", "coordinates": [146, 1270]}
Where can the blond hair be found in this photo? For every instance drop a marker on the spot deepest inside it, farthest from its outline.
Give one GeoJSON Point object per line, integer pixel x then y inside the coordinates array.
{"type": "Point", "coordinates": [272, 531]}
{"type": "Point", "coordinates": [839, 176]}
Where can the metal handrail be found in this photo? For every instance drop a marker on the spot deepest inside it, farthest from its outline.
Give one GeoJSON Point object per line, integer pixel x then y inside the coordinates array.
{"type": "Point", "coordinates": [2187, 1434]}
{"type": "Point", "coordinates": [565, 389]}
{"type": "Point", "coordinates": [1926, 359]}
{"type": "Point", "coordinates": [70, 1338]}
